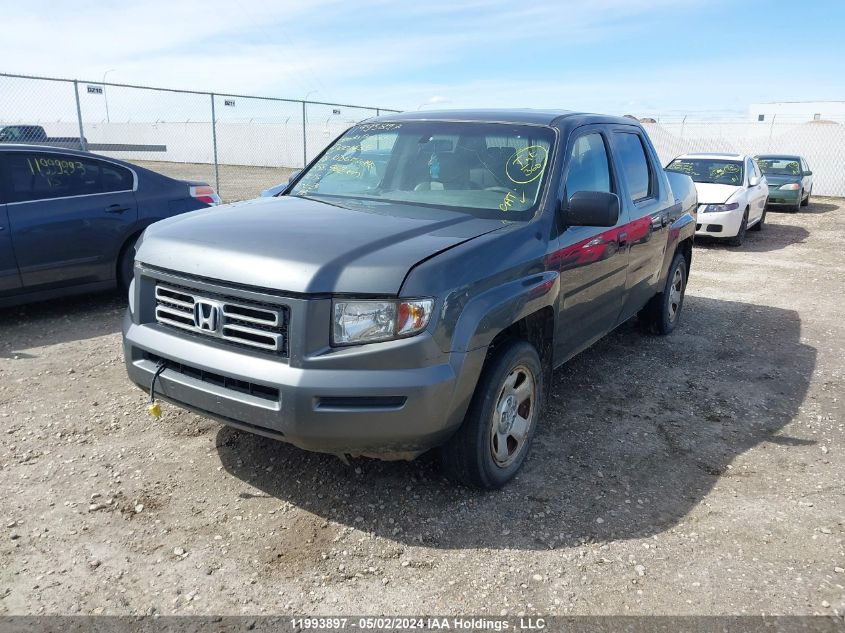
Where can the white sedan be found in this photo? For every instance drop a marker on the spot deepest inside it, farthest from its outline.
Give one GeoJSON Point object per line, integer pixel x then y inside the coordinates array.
{"type": "Point", "coordinates": [732, 193]}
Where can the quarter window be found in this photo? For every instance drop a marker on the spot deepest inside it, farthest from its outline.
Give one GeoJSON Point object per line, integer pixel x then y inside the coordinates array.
{"type": "Point", "coordinates": [42, 176]}
{"type": "Point", "coordinates": [635, 165]}
{"type": "Point", "coordinates": [588, 165]}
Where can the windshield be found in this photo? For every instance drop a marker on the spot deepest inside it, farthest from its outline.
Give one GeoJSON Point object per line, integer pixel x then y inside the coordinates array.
{"type": "Point", "coordinates": [722, 172]}
{"type": "Point", "coordinates": [779, 165]}
{"type": "Point", "coordinates": [491, 170]}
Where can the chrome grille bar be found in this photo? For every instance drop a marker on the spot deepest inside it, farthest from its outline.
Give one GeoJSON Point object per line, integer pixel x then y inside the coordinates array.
{"type": "Point", "coordinates": [251, 325]}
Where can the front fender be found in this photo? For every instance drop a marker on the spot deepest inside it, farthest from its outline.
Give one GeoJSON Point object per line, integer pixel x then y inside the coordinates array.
{"type": "Point", "coordinates": [483, 316]}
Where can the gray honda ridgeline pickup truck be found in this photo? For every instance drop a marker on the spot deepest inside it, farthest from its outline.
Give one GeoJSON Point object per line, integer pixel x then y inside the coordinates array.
{"type": "Point", "coordinates": [415, 285]}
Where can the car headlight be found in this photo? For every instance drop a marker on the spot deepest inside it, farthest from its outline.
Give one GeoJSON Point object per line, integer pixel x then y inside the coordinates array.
{"type": "Point", "coordinates": [132, 297]}
{"type": "Point", "coordinates": [711, 208]}
{"type": "Point", "coordinates": [792, 186]}
{"type": "Point", "coordinates": [370, 321]}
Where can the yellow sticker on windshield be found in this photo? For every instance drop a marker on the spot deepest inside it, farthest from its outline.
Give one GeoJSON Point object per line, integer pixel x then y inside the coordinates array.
{"type": "Point", "coordinates": [527, 164]}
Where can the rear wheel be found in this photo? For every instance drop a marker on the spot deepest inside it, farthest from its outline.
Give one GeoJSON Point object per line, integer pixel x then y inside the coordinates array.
{"type": "Point", "coordinates": [493, 441]}
{"type": "Point", "coordinates": [662, 313]}
{"type": "Point", "coordinates": [743, 227]}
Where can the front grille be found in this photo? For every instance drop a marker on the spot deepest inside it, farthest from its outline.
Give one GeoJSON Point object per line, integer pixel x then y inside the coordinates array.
{"type": "Point", "coordinates": [246, 323]}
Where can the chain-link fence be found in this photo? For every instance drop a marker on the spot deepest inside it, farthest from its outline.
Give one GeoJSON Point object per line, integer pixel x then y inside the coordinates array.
{"type": "Point", "coordinates": [245, 144]}
{"type": "Point", "coordinates": [821, 143]}
{"type": "Point", "coordinates": [241, 144]}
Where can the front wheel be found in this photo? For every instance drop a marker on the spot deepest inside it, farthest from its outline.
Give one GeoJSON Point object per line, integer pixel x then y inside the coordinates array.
{"type": "Point", "coordinates": [798, 204]}
{"type": "Point", "coordinates": [759, 225]}
{"type": "Point", "coordinates": [662, 313]}
{"type": "Point", "coordinates": [806, 201]}
{"type": "Point", "coordinates": [740, 235]}
{"type": "Point", "coordinates": [493, 441]}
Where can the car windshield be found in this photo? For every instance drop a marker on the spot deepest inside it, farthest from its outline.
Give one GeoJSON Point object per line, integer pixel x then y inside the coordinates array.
{"type": "Point", "coordinates": [722, 172]}
{"type": "Point", "coordinates": [779, 165]}
{"type": "Point", "coordinates": [493, 170]}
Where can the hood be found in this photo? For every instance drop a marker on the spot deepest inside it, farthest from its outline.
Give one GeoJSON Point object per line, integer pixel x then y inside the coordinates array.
{"type": "Point", "coordinates": [713, 193]}
{"type": "Point", "coordinates": [781, 180]}
{"type": "Point", "coordinates": [306, 245]}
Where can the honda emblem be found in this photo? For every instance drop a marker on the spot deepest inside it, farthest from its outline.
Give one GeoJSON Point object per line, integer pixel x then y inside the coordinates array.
{"type": "Point", "coordinates": [206, 316]}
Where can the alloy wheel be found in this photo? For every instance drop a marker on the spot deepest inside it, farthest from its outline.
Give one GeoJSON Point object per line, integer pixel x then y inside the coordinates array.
{"type": "Point", "coordinates": [513, 416]}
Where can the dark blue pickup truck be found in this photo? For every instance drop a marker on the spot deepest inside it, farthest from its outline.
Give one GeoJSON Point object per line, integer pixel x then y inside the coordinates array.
{"type": "Point", "coordinates": [387, 307]}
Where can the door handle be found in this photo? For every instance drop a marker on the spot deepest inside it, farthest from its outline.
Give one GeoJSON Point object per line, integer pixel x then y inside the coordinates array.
{"type": "Point", "coordinates": [622, 238]}
{"type": "Point", "coordinates": [116, 208]}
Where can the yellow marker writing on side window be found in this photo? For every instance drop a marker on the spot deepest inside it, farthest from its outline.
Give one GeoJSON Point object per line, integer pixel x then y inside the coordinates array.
{"type": "Point", "coordinates": [154, 410]}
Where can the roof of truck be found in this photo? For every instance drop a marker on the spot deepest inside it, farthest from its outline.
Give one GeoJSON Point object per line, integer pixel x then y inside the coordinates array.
{"type": "Point", "coordinates": [515, 115]}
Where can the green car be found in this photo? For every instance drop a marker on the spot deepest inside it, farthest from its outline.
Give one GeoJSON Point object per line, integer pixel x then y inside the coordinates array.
{"type": "Point", "coordinates": [790, 180]}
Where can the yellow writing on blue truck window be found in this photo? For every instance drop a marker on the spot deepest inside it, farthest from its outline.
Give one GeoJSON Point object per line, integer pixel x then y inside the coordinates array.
{"type": "Point", "coordinates": [527, 164]}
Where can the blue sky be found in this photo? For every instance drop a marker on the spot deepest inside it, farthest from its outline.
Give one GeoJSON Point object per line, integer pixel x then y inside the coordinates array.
{"type": "Point", "coordinates": [617, 56]}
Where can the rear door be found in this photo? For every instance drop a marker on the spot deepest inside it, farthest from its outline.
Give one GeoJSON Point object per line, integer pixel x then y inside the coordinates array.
{"type": "Point", "coordinates": [646, 207]}
{"type": "Point", "coordinates": [69, 216]}
{"type": "Point", "coordinates": [591, 261]}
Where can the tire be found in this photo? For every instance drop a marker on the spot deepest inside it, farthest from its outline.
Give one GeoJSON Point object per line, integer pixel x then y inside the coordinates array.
{"type": "Point", "coordinates": [126, 265]}
{"type": "Point", "coordinates": [743, 227]}
{"type": "Point", "coordinates": [663, 312]}
{"type": "Point", "coordinates": [798, 204]}
{"type": "Point", "coordinates": [806, 201]}
{"type": "Point", "coordinates": [490, 446]}
{"type": "Point", "coordinates": [759, 225]}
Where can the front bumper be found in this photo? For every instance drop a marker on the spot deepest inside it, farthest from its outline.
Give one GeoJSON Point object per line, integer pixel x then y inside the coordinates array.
{"type": "Point", "coordinates": [718, 224]}
{"type": "Point", "coordinates": [783, 196]}
{"type": "Point", "coordinates": [391, 400]}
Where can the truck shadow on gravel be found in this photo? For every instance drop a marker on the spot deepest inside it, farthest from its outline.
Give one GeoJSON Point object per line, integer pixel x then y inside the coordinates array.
{"type": "Point", "coordinates": [59, 321]}
{"type": "Point", "coordinates": [638, 431]}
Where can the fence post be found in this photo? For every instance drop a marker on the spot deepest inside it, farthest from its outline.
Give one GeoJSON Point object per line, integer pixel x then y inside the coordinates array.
{"type": "Point", "coordinates": [771, 129]}
{"type": "Point", "coordinates": [214, 143]}
{"type": "Point", "coordinates": [304, 139]}
{"type": "Point", "coordinates": [83, 144]}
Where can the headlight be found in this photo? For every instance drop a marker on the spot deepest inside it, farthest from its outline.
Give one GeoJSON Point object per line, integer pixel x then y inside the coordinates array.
{"type": "Point", "coordinates": [793, 186]}
{"type": "Point", "coordinates": [132, 297]}
{"type": "Point", "coordinates": [711, 208]}
{"type": "Point", "coordinates": [370, 321]}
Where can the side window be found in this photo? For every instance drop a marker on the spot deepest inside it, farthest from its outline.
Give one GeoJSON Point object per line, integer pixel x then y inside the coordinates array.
{"type": "Point", "coordinates": [588, 165]}
{"type": "Point", "coordinates": [116, 178]}
{"type": "Point", "coordinates": [42, 176]}
{"type": "Point", "coordinates": [636, 167]}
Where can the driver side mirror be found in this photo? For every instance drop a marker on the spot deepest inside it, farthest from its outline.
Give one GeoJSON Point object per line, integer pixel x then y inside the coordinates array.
{"type": "Point", "coordinates": [753, 181]}
{"type": "Point", "coordinates": [591, 208]}
{"type": "Point", "coordinates": [294, 175]}
{"type": "Point", "coordinates": [808, 173]}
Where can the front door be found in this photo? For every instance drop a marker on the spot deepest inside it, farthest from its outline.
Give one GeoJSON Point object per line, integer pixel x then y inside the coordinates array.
{"type": "Point", "coordinates": [592, 260]}
{"type": "Point", "coordinates": [68, 215]}
{"type": "Point", "coordinates": [757, 194]}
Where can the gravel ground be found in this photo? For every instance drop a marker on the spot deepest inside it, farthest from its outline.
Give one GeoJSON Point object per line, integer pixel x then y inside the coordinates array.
{"type": "Point", "coordinates": [696, 474]}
